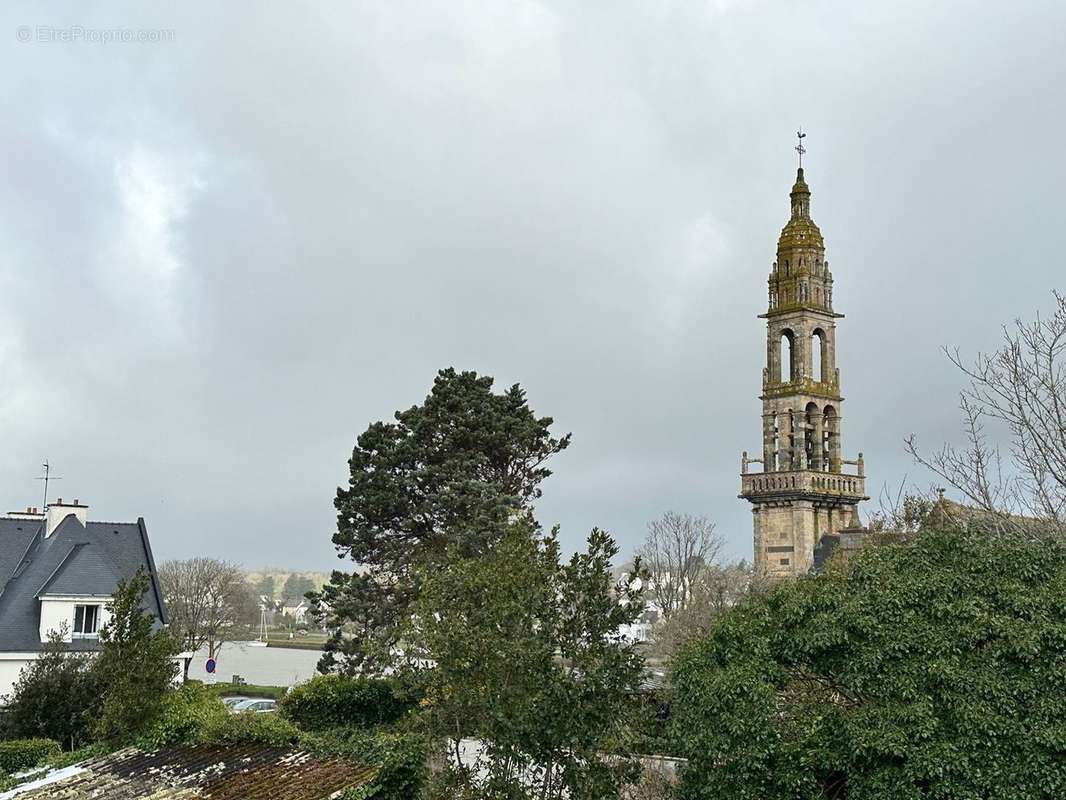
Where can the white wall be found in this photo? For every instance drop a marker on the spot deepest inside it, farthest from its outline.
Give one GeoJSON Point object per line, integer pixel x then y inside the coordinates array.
{"type": "Point", "coordinates": [55, 612]}
{"type": "Point", "coordinates": [11, 665]}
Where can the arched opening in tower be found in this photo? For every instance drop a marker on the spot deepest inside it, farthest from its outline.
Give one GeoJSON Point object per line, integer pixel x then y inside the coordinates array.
{"type": "Point", "coordinates": [818, 354]}
{"type": "Point", "coordinates": [787, 356]}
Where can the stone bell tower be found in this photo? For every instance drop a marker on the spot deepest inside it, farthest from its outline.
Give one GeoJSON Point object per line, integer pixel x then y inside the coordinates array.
{"type": "Point", "coordinates": [806, 490]}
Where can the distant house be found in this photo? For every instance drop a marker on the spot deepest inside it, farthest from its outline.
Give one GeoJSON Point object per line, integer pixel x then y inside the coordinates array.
{"type": "Point", "coordinates": [57, 572]}
{"type": "Point", "coordinates": [298, 612]}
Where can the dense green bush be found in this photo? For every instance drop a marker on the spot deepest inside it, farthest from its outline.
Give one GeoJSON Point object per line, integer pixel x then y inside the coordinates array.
{"type": "Point", "coordinates": [195, 715]}
{"type": "Point", "coordinates": [186, 713]}
{"type": "Point", "coordinates": [330, 701]}
{"type": "Point", "coordinates": [250, 728]}
{"type": "Point", "coordinates": [245, 690]}
{"type": "Point", "coordinates": [932, 669]}
{"type": "Point", "coordinates": [19, 754]}
{"type": "Point", "coordinates": [56, 697]}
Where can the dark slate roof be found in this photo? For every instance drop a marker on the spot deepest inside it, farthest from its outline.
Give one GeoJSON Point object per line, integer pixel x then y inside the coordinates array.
{"type": "Point", "coordinates": [15, 538]}
{"type": "Point", "coordinates": [246, 772]}
{"type": "Point", "coordinates": [85, 570]}
{"type": "Point", "coordinates": [75, 559]}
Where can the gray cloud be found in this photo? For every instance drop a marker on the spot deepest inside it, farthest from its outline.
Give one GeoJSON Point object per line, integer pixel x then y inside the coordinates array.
{"type": "Point", "coordinates": [226, 254]}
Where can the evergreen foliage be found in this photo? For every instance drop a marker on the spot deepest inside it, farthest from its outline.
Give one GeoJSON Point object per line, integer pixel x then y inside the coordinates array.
{"type": "Point", "coordinates": [929, 668]}
{"type": "Point", "coordinates": [184, 715]}
{"type": "Point", "coordinates": [444, 477]}
{"type": "Point", "coordinates": [296, 586]}
{"type": "Point", "coordinates": [135, 665]}
{"type": "Point", "coordinates": [56, 696]}
{"type": "Point", "coordinates": [17, 755]}
{"type": "Point", "coordinates": [330, 701]}
{"type": "Point", "coordinates": [527, 659]}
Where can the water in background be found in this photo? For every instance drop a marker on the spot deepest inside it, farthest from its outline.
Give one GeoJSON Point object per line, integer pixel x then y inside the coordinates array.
{"type": "Point", "coordinates": [265, 666]}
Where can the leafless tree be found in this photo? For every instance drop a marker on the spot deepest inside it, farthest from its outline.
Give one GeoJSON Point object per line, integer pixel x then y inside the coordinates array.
{"type": "Point", "coordinates": [713, 590]}
{"type": "Point", "coordinates": [1022, 387]}
{"type": "Point", "coordinates": [677, 548]}
{"type": "Point", "coordinates": [206, 599]}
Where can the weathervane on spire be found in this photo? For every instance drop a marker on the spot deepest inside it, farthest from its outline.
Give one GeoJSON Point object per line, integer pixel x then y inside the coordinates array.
{"type": "Point", "coordinates": [800, 135]}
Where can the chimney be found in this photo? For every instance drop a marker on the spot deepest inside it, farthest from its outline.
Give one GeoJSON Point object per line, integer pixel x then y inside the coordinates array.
{"type": "Point", "coordinates": [59, 511]}
{"type": "Point", "coordinates": [31, 513]}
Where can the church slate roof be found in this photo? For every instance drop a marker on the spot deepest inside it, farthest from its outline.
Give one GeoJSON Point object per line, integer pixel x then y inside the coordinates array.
{"type": "Point", "coordinates": [75, 560]}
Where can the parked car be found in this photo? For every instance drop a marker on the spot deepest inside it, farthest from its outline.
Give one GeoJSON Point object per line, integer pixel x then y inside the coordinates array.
{"type": "Point", "coordinates": [230, 702]}
{"type": "Point", "coordinates": [254, 706]}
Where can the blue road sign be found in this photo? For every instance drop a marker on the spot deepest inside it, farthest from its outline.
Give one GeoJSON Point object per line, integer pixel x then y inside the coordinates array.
{"type": "Point", "coordinates": [210, 666]}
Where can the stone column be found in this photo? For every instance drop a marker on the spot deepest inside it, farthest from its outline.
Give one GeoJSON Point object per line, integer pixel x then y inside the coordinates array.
{"type": "Point", "coordinates": [799, 457]}
{"type": "Point", "coordinates": [816, 442]}
{"type": "Point", "coordinates": [769, 463]}
{"type": "Point", "coordinates": [784, 448]}
{"type": "Point", "coordinates": [834, 444]}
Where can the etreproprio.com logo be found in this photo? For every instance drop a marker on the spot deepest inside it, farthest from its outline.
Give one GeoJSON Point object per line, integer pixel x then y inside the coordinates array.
{"type": "Point", "coordinates": [75, 34]}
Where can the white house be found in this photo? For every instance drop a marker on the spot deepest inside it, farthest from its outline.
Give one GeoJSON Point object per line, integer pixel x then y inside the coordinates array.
{"type": "Point", "coordinates": [298, 612]}
{"type": "Point", "coordinates": [57, 572]}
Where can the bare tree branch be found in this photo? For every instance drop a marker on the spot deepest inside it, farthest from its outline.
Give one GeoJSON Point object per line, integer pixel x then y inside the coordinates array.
{"type": "Point", "coordinates": [677, 548]}
{"type": "Point", "coordinates": [206, 599]}
{"type": "Point", "coordinates": [1022, 387]}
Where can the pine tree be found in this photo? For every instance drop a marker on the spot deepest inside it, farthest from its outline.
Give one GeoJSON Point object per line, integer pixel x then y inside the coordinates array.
{"type": "Point", "coordinates": [446, 476]}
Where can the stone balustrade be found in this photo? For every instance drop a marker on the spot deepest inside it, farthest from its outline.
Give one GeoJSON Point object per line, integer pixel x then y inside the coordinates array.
{"type": "Point", "coordinates": [831, 484]}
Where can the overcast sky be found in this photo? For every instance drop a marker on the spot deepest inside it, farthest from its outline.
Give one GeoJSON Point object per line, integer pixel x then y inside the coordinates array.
{"type": "Point", "coordinates": [225, 254]}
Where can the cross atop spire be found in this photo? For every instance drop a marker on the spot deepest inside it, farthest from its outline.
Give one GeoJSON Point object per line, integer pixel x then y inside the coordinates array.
{"type": "Point", "coordinates": [800, 136]}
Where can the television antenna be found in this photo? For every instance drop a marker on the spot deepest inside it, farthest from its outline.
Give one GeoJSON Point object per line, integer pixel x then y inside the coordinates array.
{"type": "Point", "coordinates": [48, 476]}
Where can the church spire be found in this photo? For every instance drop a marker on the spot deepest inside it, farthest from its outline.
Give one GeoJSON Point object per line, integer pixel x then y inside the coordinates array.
{"type": "Point", "coordinates": [800, 275]}
{"type": "Point", "coordinates": [801, 198]}
{"type": "Point", "coordinates": [805, 490]}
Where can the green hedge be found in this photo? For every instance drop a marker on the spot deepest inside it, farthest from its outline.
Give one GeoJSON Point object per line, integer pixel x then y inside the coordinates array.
{"type": "Point", "coordinates": [246, 690]}
{"type": "Point", "coordinates": [331, 701]}
{"type": "Point", "coordinates": [194, 714]}
{"type": "Point", "coordinates": [186, 712]}
{"type": "Point", "coordinates": [19, 754]}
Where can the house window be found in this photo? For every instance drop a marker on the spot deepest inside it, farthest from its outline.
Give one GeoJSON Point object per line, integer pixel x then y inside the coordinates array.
{"type": "Point", "coordinates": [86, 620]}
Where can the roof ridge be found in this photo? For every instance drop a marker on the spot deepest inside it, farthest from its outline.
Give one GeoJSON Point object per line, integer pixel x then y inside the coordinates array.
{"type": "Point", "coordinates": [35, 539]}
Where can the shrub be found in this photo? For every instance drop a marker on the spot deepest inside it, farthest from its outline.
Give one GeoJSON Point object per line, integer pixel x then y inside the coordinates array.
{"type": "Point", "coordinates": [246, 690]}
{"type": "Point", "coordinates": [68, 758]}
{"type": "Point", "coordinates": [135, 665]}
{"type": "Point", "coordinates": [20, 754]}
{"type": "Point", "coordinates": [186, 713]}
{"type": "Point", "coordinates": [194, 714]}
{"type": "Point", "coordinates": [230, 729]}
{"type": "Point", "coordinates": [330, 701]}
{"type": "Point", "coordinates": [932, 668]}
{"type": "Point", "coordinates": [56, 697]}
